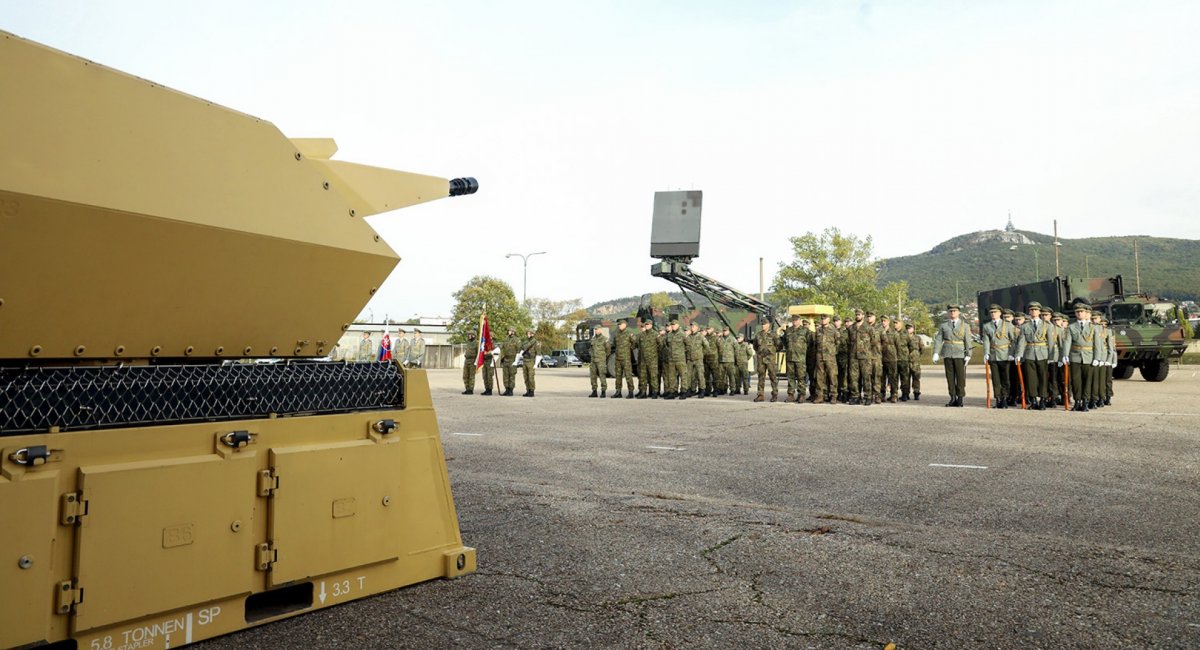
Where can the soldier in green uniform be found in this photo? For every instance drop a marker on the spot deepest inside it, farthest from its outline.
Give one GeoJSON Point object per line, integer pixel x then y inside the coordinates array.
{"type": "Point", "coordinates": [508, 358]}
{"type": "Point", "coordinates": [1033, 353]}
{"type": "Point", "coordinates": [366, 350]}
{"type": "Point", "coordinates": [711, 360]}
{"type": "Point", "coordinates": [1083, 355]}
{"type": "Point", "coordinates": [1053, 378]}
{"type": "Point", "coordinates": [843, 342]}
{"type": "Point", "coordinates": [998, 335]}
{"type": "Point", "coordinates": [1112, 363]}
{"type": "Point", "coordinates": [915, 348]}
{"type": "Point", "coordinates": [488, 370]}
{"type": "Point", "coordinates": [622, 347]}
{"type": "Point", "coordinates": [810, 363]}
{"type": "Point", "coordinates": [1015, 385]}
{"type": "Point", "coordinates": [865, 345]}
{"type": "Point", "coordinates": [1061, 350]}
{"type": "Point", "coordinates": [741, 357]}
{"type": "Point", "coordinates": [854, 378]}
{"type": "Point", "coordinates": [765, 346]}
{"type": "Point", "coordinates": [695, 359]}
{"type": "Point", "coordinates": [663, 359]}
{"type": "Point", "coordinates": [529, 352]}
{"type": "Point", "coordinates": [677, 367]}
{"type": "Point", "coordinates": [890, 380]}
{"type": "Point", "coordinates": [470, 349]}
{"type": "Point", "coordinates": [876, 356]}
{"type": "Point", "coordinates": [648, 344]}
{"type": "Point", "coordinates": [795, 346]}
{"type": "Point", "coordinates": [902, 343]}
{"type": "Point", "coordinates": [952, 342]}
{"type": "Point", "coordinates": [598, 368]}
{"type": "Point", "coordinates": [825, 341]}
{"type": "Point", "coordinates": [1100, 372]}
{"type": "Point", "coordinates": [726, 373]}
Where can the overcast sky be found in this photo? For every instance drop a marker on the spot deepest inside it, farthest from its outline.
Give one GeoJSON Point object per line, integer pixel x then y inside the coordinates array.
{"type": "Point", "coordinates": [911, 122]}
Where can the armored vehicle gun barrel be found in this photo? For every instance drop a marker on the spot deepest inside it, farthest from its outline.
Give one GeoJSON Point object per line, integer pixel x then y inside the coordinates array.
{"type": "Point", "coordinates": [151, 243]}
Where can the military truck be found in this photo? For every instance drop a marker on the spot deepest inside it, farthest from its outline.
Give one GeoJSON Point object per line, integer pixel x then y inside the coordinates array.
{"type": "Point", "coordinates": [1148, 332]}
{"type": "Point", "coordinates": [155, 490]}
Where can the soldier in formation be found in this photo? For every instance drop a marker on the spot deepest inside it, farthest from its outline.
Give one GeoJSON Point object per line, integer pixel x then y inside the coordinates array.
{"type": "Point", "coordinates": [508, 359]}
{"type": "Point", "coordinates": [903, 342]}
{"type": "Point", "coordinates": [890, 341]}
{"type": "Point", "coordinates": [598, 368]}
{"type": "Point", "coordinates": [1102, 384]}
{"type": "Point", "coordinates": [648, 345]}
{"type": "Point", "coordinates": [677, 366]}
{"type": "Point", "coordinates": [765, 346]}
{"type": "Point", "coordinates": [741, 358]}
{"type": "Point", "coordinates": [916, 347]}
{"type": "Point", "coordinates": [470, 349]}
{"type": "Point", "coordinates": [416, 352]}
{"type": "Point", "coordinates": [795, 346]}
{"type": "Point", "coordinates": [842, 329]}
{"type": "Point", "coordinates": [529, 354]}
{"type": "Point", "coordinates": [1016, 387]}
{"type": "Point", "coordinates": [825, 343]}
{"type": "Point", "coordinates": [725, 357]}
{"type": "Point", "coordinates": [694, 342]}
{"type": "Point", "coordinates": [622, 347]}
{"type": "Point", "coordinates": [1033, 353]}
{"type": "Point", "coordinates": [1053, 372]}
{"type": "Point", "coordinates": [952, 343]}
{"type": "Point", "coordinates": [998, 335]}
{"type": "Point", "coordinates": [1084, 354]}
{"type": "Point", "coordinates": [710, 361]}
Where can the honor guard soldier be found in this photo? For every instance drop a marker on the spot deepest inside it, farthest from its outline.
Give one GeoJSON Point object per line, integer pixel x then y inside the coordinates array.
{"type": "Point", "coordinates": [508, 359]}
{"type": "Point", "coordinates": [1033, 352]}
{"type": "Point", "coordinates": [647, 345]}
{"type": "Point", "coordinates": [470, 349]}
{"type": "Point", "coordinates": [1112, 362]}
{"type": "Point", "coordinates": [998, 335]}
{"type": "Point", "coordinates": [1015, 386]}
{"type": "Point", "coordinates": [916, 347]}
{"type": "Point", "coordinates": [795, 346]}
{"type": "Point", "coordinates": [1100, 373]}
{"type": "Point", "coordinates": [529, 353]}
{"type": "Point", "coordinates": [952, 343]}
{"type": "Point", "coordinates": [826, 345]}
{"type": "Point", "coordinates": [598, 368]}
{"type": "Point", "coordinates": [765, 346]}
{"type": "Point", "coordinates": [622, 347]}
{"type": "Point", "coordinates": [1062, 349]}
{"type": "Point", "coordinates": [401, 348]}
{"type": "Point", "coordinates": [1053, 376]}
{"type": "Point", "coordinates": [1084, 354]}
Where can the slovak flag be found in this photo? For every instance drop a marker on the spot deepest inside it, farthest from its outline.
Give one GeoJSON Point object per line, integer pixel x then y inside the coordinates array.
{"type": "Point", "coordinates": [485, 340]}
{"type": "Point", "coordinates": [385, 348]}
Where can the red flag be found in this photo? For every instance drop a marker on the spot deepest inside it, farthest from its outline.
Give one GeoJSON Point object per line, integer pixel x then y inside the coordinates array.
{"type": "Point", "coordinates": [485, 340]}
{"type": "Point", "coordinates": [385, 348]}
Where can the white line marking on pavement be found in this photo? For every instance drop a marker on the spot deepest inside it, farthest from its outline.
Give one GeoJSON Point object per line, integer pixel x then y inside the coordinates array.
{"type": "Point", "coordinates": [666, 448]}
{"type": "Point", "coordinates": [467, 434]}
{"type": "Point", "coordinates": [958, 466]}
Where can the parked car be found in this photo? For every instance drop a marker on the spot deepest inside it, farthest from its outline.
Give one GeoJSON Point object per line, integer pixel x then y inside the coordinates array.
{"type": "Point", "coordinates": [560, 359]}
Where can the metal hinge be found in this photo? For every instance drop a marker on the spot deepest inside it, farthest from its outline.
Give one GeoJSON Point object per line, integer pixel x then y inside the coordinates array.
{"type": "Point", "coordinates": [70, 595]}
{"type": "Point", "coordinates": [268, 482]}
{"type": "Point", "coordinates": [74, 508]}
{"type": "Point", "coordinates": [266, 556]}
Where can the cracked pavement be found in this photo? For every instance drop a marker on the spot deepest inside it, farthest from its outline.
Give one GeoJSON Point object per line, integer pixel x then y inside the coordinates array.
{"type": "Point", "coordinates": [801, 526]}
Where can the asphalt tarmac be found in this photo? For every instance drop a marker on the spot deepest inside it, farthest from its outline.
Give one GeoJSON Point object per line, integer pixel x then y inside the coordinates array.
{"type": "Point", "coordinates": [721, 523]}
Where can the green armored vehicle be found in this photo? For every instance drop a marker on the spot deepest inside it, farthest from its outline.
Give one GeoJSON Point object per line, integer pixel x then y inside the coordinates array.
{"type": "Point", "coordinates": [1148, 332]}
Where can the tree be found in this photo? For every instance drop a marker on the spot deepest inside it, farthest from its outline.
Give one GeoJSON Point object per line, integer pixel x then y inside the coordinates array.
{"type": "Point", "coordinates": [502, 308]}
{"type": "Point", "coordinates": [555, 320]}
{"type": "Point", "coordinates": [660, 301]}
{"type": "Point", "coordinates": [841, 270]}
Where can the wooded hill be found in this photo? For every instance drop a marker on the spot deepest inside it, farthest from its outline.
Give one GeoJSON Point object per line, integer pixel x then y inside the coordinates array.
{"type": "Point", "coordinates": [1170, 268]}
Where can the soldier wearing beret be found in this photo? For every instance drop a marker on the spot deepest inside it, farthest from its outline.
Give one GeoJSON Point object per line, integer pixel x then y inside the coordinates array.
{"type": "Point", "coordinates": [952, 343]}
{"type": "Point", "coordinates": [997, 335]}
{"type": "Point", "coordinates": [1033, 353]}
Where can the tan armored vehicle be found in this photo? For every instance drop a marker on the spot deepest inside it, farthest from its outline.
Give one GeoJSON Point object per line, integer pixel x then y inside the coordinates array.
{"type": "Point", "coordinates": [156, 488]}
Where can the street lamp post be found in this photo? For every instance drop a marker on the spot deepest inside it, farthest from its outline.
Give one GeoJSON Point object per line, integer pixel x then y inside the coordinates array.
{"type": "Point", "coordinates": [524, 269]}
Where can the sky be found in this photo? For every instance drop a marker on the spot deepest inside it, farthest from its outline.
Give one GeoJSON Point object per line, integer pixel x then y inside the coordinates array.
{"type": "Point", "coordinates": [908, 122]}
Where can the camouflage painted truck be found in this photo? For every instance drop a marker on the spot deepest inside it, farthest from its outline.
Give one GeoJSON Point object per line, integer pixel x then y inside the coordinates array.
{"type": "Point", "coordinates": [1148, 332]}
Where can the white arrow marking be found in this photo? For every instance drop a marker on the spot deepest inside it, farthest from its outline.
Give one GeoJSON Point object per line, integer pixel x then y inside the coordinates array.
{"type": "Point", "coordinates": [322, 594]}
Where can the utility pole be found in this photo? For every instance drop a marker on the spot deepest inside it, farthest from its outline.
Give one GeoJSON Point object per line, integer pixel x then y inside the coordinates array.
{"type": "Point", "coordinates": [1057, 245]}
{"type": "Point", "coordinates": [525, 269]}
{"type": "Point", "coordinates": [1037, 267]}
{"type": "Point", "coordinates": [760, 281]}
{"type": "Point", "coordinates": [1086, 272]}
{"type": "Point", "coordinates": [1137, 269]}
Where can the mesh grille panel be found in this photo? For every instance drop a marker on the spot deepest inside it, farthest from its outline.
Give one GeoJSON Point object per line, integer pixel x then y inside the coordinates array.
{"type": "Point", "coordinates": [94, 397]}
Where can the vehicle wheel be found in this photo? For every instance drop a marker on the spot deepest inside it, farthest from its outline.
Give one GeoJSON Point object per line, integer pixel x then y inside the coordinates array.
{"type": "Point", "coordinates": [611, 368]}
{"type": "Point", "coordinates": [1155, 370]}
{"type": "Point", "coordinates": [1122, 371]}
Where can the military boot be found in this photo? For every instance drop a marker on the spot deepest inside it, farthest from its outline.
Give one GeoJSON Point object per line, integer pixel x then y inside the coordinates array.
{"type": "Point", "coordinates": [616, 395]}
{"type": "Point", "coordinates": [629, 395]}
{"type": "Point", "coordinates": [904, 397]}
{"type": "Point", "coordinates": [774, 397]}
{"type": "Point", "coordinates": [917, 396]}
{"type": "Point", "coordinates": [603, 392]}
{"type": "Point", "coordinates": [893, 399]}
{"type": "Point", "coordinates": [759, 398]}
{"type": "Point", "coordinates": [641, 394]}
{"type": "Point", "coordinates": [833, 400]}
{"type": "Point", "coordinates": [487, 392]}
{"type": "Point", "coordinates": [468, 392]}
{"type": "Point", "coordinates": [508, 393]}
{"type": "Point", "coordinates": [528, 393]}
{"type": "Point", "coordinates": [951, 402]}
{"type": "Point", "coordinates": [593, 393]}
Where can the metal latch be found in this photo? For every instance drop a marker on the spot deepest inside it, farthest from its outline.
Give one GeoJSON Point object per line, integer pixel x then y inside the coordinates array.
{"type": "Point", "coordinates": [70, 594]}
{"type": "Point", "coordinates": [73, 507]}
{"type": "Point", "coordinates": [384, 427]}
{"type": "Point", "coordinates": [237, 439]}
{"type": "Point", "coordinates": [266, 556]}
{"type": "Point", "coordinates": [268, 482]}
{"type": "Point", "coordinates": [36, 455]}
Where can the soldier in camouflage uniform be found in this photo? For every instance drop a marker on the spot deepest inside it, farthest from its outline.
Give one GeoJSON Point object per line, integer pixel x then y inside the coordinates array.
{"type": "Point", "coordinates": [741, 357]}
{"type": "Point", "coordinates": [902, 343]}
{"type": "Point", "coordinates": [843, 341]}
{"type": "Point", "coordinates": [810, 363]}
{"type": "Point", "coordinates": [695, 359]}
{"type": "Point", "coordinates": [677, 367]}
{"type": "Point", "coordinates": [825, 340]}
{"type": "Point", "coordinates": [470, 349]}
{"type": "Point", "coordinates": [876, 356]}
{"type": "Point", "coordinates": [622, 347]}
{"type": "Point", "coordinates": [529, 352]}
{"type": "Point", "coordinates": [915, 347]}
{"type": "Point", "coordinates": [598, 368]}
{"type": "Point", "coordinates": [648, 344]}
{"type": "Point", "coordinates": [865, 346]}
{"type": "Point", "coordinates": [1033, 353]}
{"type": "Point", "coordinates": [508, 357]}
{"type": "Point", "coordinates": [711, 360]}
{"type": "Point", "coordinates": [662, 360]}
{"type": "Point", "coordinates": [854, 380]}
{"type": "Point", "coordinates": [725, 372]}
{"type": "Point", "coordinates": [998, 335]}
{"type": "Point", "coordinates": [953, 343]}
{"type": "Point", "coordinates": [889, 383]}
{"type": "Point", "coordinates": [488, 370]}
{"type": "Point", "coordinates": [795, 346]}
{"type": "Point", "coordinates": [765, 346]}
